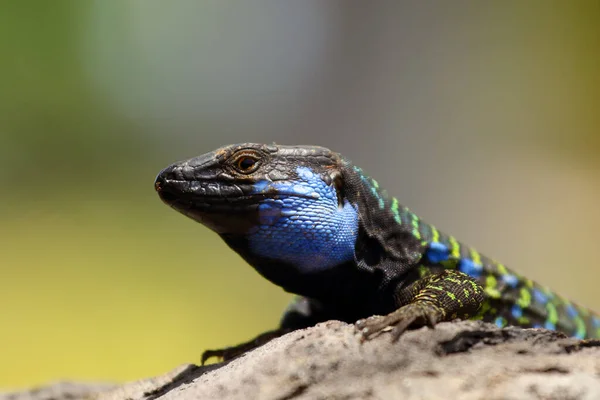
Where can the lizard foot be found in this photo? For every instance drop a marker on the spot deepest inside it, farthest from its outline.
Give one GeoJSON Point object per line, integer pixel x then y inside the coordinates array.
{"type": "Point", "coordinates": [413, 315]}
{"type": "Point", "coordinates": [229, 353]}
{"type": "Point", "coordinates": [224, 354]}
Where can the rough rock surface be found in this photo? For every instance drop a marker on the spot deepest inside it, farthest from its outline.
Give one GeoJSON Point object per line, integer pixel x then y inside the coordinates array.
{"type": "Point", "coordinates": [459, 360]}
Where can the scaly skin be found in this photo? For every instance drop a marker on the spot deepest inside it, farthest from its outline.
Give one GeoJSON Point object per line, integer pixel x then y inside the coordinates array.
{"type": "Point", "coordinates": [311, 222]}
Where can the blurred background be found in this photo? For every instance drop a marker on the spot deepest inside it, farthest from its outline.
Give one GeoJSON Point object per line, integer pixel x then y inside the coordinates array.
{"type": "Point", "coordinates": [483, 117]}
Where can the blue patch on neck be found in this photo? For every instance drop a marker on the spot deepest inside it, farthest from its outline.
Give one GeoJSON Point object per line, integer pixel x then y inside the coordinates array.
{"type": "Point", "coordinates": [301, 224]}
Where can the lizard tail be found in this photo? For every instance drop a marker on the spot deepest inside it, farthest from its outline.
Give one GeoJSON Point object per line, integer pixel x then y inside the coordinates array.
{"type": "Point", "coordinates": [516, 300]}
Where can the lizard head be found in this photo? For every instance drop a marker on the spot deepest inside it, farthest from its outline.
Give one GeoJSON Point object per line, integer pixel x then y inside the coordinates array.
{"type": "Point", "coordinates": [284, 203]}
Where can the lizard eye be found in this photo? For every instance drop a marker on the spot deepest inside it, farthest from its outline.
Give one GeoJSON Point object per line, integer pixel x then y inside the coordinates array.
{"type": "Point", "coordinates": [246, 164]}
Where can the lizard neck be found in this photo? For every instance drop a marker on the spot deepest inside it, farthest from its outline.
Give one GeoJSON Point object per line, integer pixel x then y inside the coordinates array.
{"type": "Point", "coordinates": [388, 239]}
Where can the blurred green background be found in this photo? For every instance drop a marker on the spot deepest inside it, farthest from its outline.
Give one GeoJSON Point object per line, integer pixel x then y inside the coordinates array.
{"type": "Point", "coordinates": [483, 117]}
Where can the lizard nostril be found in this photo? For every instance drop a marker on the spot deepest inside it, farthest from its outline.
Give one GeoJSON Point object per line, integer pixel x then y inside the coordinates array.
{"type": "Point", "coordinates": [173, 172]}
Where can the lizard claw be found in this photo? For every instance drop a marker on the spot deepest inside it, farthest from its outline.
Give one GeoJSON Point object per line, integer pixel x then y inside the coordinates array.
{"type": "Point", "coordinates": [229, 353]}
{"type": "Point", "coordinates": [221, 354]}
{"type": "Point", "coordinates": [413, 315]}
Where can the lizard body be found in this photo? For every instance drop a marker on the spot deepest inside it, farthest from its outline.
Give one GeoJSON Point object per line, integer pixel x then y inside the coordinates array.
{"type": "Point", "coordinates": [313, 223]}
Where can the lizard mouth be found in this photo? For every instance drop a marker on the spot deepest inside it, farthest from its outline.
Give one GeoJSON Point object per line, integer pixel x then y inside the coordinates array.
{"type": "Point", "coordinates": [194, 194]}
{"type": "Point", "coordinates": [214, 196]}
{"type": "Point", "coordinates": [225, 208]}
{"type": "Point", "coordinates": [222, 209]}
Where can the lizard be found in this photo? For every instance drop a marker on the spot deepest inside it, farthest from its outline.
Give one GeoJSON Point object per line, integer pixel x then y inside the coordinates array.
{"type": "Point", "coordinates": [310, 221]}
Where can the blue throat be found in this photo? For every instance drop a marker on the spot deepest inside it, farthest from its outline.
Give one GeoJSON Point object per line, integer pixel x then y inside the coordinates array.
{"type": "Point", "coordinates": [303, 225]}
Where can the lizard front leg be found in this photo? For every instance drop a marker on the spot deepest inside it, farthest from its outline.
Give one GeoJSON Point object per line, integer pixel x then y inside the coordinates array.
{"type": "Point", "coordinates": [302, 312]}
{"type": "Point", "coordinates": [436, 297]}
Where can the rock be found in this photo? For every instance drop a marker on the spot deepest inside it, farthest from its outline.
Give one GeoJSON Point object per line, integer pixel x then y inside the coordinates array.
{"type": "Point", "coordinates": [59, 391]}
{"type": "Point", "coordinates": [457, 360]}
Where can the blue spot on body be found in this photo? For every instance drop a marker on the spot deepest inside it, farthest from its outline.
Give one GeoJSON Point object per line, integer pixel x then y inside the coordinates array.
{"type": "Point", "coordinates": [500, 322]}
{"type": "Point", "coordinates": [437, 252]}
{"type": "Point", "coordinates": [539, 296]}
{"type": "Point", "coordinates": [536, 325]}
{"type": "Point", "coordinates": [516, 311]}
{"type": "Point", "coordinates": [467, 266]}
{"type": "Point", "coordinates": [300, 223]}
{"type": "Point", "coordinates": [579, 335]}
{"type": "Point", "coordinates": [549, 325]}
{"type": "Point", "coordinates": [572, 311]}
{"type": "Point", "coordinates": [596, 322]}
{"type": "Point", "coordinates": [511, 280]}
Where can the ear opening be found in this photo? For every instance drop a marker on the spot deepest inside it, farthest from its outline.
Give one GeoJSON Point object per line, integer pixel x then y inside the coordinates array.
{"type": "Point", "coordinates": [338, 184]}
